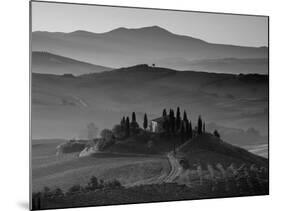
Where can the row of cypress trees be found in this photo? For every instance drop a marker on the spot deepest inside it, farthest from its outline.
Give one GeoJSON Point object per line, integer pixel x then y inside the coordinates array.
{"type": "Point", "coordinates": [172, 124]}
{"type": "Point", "coordinates": [128, 126]}
{"type": "Point", "coordinates": [176, 124]}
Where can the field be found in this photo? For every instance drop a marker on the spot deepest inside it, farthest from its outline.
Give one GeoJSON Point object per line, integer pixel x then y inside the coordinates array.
{"type": "Point", "coordinates": [203, 167]}
{"type": "Point", "coordinates": [66, 170]}
{"type": "Point", "coordinates": [239, 186]}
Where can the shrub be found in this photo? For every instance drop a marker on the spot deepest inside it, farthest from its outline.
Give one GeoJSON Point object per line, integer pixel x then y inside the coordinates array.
{"type": "Point", "coordinates": [185, 163]}
{"type": "Point", "coordinates": [107, 134]}
{"type": "Point", "coordinates": [57, 193]}
{"type": "Point", "coordinates": [103, 144]}
{"type": "Point", "coordinates": [72, 146]}
{"type": "Point", "coordinates": [216, 133]}
{"type": "Point", "coordinates": [143, 136]}
{"type": "Point", "coordinates": [101, 183]}
{"type": "Point", "coordinates": [74, 189]}
{"type": "Point", "coordinates": [118, 131]}
{"type": "Point", "coordinates": [93, 184]}
{"type": "Point", "coordinates": [114, 184]}
{"type": "Point", "coordinates": [134, 127]}
{"type": "Point", "coordinates": [47, 192]}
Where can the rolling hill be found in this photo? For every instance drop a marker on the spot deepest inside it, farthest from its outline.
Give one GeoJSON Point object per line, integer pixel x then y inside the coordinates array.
{"type": "Point", "coordinates": [127, 47]}
{"type": "Point", "coordinates": [44, 62]}
{"type": "Point", "coordinates": [65, 170]}
{"type": "Point", "coordinates": [208, 149]}
{"type": "Point", "coordinates": [147, 178]}
{"type": "Point", "coordinates": [66, 105]}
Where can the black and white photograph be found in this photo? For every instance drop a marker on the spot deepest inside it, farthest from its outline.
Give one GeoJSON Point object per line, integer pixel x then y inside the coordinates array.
{"type": "Point", "coordinates": [135, 105]}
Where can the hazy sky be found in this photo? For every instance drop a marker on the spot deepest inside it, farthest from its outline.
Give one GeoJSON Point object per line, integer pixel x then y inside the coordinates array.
{"type": "Point", "coordinates": [214, 28]}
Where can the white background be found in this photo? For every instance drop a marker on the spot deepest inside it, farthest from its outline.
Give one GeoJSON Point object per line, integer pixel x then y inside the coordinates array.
{"type": "Point", "coordinates": [14, 118]}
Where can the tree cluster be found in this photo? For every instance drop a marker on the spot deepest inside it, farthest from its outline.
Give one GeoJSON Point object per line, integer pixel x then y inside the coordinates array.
{"type": "Point", "coordinates": [177, 124]}
{"type": "Point", "coordinates": [40, 198]}
{"type": "Point", "coordinates": [174, 124]}
{"type": "Point", "coordinates": [127, 127]}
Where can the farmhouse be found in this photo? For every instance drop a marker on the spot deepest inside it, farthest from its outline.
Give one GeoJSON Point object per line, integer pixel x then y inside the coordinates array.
{"type": "Point", "coordinates": [156, 125]}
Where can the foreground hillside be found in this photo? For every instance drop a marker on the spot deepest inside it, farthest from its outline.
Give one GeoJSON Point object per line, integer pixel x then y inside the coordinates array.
{"type": "Point", "coordinates": [204, 172]}
{"type": "Point", "coordinates": [140, 194]}
{"type": "Point", "coordinates": [139, 159]}
{"type": "Point", "coordinates": [65, 170]}
{"type": "Point", "coordinates": [208, 149]}
{"type": "Point", "coordinates": [235, 101]}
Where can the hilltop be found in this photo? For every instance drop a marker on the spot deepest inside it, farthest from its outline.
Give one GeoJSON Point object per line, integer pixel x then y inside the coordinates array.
{"type": "Point", "coordinates": [202, 149]}
{"type": "Point", "coordinates": [175, 133]}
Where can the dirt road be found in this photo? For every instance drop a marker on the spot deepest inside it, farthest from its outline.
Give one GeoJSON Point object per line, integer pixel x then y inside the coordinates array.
{"type": "Point", "coordinates": [175, 171]}
{"type": "Point", "coordinates": [176, 168]}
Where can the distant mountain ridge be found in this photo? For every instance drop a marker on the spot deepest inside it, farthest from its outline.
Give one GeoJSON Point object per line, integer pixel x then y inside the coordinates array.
{"type": "Point", "coordinates": [127, 47]}
{"type": "Point", "coordinates": [45, 62]}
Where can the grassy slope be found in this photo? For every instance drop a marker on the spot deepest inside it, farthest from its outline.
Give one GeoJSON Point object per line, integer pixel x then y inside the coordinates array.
{"type": "Point", "coordinates": [142, 194]}
{"type": "Point", "coordinates": [145, 143]}
{"type": "Point", "coordinates": [208, 149]}
{"type": "Point", "coordinates": [67, 169]}
{"type": "Point", "coordinates": [128, 168]}
{"type": "Point", "coordinates": [221, 98]}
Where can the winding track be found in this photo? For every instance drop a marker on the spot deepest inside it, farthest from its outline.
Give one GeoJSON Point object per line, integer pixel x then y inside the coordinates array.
{"type": "Point", "coordinates": [176, 168]}
{"type": "Point", "coordinates": [175, 171]}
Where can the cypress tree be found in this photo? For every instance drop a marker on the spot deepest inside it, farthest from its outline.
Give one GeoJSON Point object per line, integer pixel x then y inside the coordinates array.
{"type": "Point", "coordinates": [186, 126]}
{"type": "Point", "coordinates": [123, 123]}
{"type": "Point", "coordinates": [186, 122]}
{"type": "Point", "coordinates": [185, 116]}
{"type": "Point", "coordinates": [190, 130]}
{"type": "Point", "coordinates": [164, 113]}
{"type": "Point", "coordinates": [171, 113]}
{"type": "Point", "coordinates": [134, 117]}
{"type": "Point", "coordinates": [182, 131]}
{"type": "Point", "coordinates": [172, 121]}
{"type": "Point", "coordinates": [145, 122]}
{"type": "Point", "coordinates": [216, 133]}
{"type": "Point", "coordinates": [199, 125]}
{"type": "Point", "coordinates": [127, 127]}
{"type": "Point", "coordinates": [169, 121]}
{"type": "Point", "coordinates": [178, 111]}
{"type": "Point", "coordinates": [178, 119]}
{"type": "Point", "coordinates": [173, 125]}
{"type": "Point", "coordinates": [165, 121]}
{"type": "Point", "coordinates": [134, 125]}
